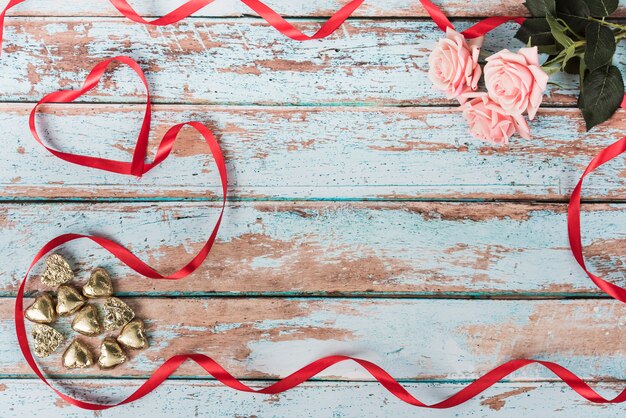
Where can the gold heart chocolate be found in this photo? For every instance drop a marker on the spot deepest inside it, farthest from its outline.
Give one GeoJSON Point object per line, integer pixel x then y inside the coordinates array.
{"type": "Point", "coordinates": [69, 300]}
{"type": "Point", "coordinates": [116, 314]}
{"type": "Point", "coordinates": [111, 354]}
{"type": "Point", "coordinates": [86, 321]}
{"type": "Point", "coordinates": [77, 356]}
{"type": "Point", "coordinates": [42, 310]}
{"type": "Point", "coordinates": [133, 335]}
{"type": "Point", "coordinates": [47, 340]}
{"type": "Point", "coordinates": [99, 284]}
{"type": "Point", "coordinates": [58, 271]}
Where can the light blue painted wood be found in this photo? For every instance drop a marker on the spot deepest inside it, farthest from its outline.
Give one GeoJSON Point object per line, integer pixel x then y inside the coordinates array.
{"type": "Point", "coordinates": [378, 63]}
{"type": "Point", "coordinates": [404, 248]}
{"type": "Point", "coordinates": [309, 153]}
{"type": "Point", "coordinates": [368, 62]}
{"type": "Point", "coordinates": [207, 399]}
{"type": "Point", "coordinates": [404, 8]}
{"type": "Point", "coordinates": [286, 8]}
{"type": "Point", "coordinates": [432, 340]}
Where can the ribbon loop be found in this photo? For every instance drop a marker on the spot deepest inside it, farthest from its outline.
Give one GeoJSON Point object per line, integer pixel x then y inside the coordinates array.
{"type": "Point", "coordinates": [137, 166]}
{"type": "Point", "coordinates": [573, 215]}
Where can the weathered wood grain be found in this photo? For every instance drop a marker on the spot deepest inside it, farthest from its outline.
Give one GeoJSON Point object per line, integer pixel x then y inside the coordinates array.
{"type": "Point", "coordinates": [319, 399]}
{"type": "Point", "coordinates": [308, 153]}
{"type": "Point", "coordinates": [242, 61]}
{"type": "Point", "coordinates": [412, 339]}
{"type": "Point", "coordinates": [379, 8]}
{"type": "Point", "coordinates": [322, 248]}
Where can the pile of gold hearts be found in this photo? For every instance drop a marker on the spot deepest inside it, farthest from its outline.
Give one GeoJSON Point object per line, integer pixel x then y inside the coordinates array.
{"type": "Point", "coordinates": [70, 301]}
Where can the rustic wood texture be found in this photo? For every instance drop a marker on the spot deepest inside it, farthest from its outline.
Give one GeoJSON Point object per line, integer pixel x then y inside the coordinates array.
{"type": "Point", "coordinates": [319, 399]}
{"type": "Point", "coordinates": [329, 248]}
{"type": "Point", "coordinates": [411, 338]}
{"type": "Point", "coordinates": [342, 161]}
{"type": "Point", "coordinates": [309, 153]}
{"type": "Point", "coordinates": [320, 8]}
{"type": "Point", "coordinates": [243, 61]}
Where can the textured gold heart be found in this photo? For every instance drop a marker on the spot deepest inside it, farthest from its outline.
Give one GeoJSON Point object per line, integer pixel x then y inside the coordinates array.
{"type": "Point", "coordinates": [86, 321]}
{"type": "Point", "coordinates": [111, 354]}
{"type": "Point", "coordinates": [116, 314]}
{"type": "Point", "coordinates": [58, 271]}
{"type": "Point", "coordinates": [133, 335]}
{"type": "Point", "coordinates": [42, 310]}
{"type": "Point", "coordinates": [69, 300]}
{"type": "Point", "coordinates": [99, 284]}
{"type": "Point", "coordinates": [47, 340]}
{"type": "Point", "coordinates": [77, 356]}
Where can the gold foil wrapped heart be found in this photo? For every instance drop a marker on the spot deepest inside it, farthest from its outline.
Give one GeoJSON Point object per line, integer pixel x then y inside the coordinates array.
{"type": "Point", "coordinates": [133, 335]}
{"type": "Point", "coordinates": [47, 340]}
{"type": "Point", "coordinates": [99, 284]}
{"type": "Point", "coordinates": [86, 321]}
{"type": "Point", "coordinates": [77, 356]}
{"type": "Point", "coordinates": [69, 300]}
{"type": "Point", "coordinates": [58, 271]}
{"type": "Point", "coordinates": [116, 314]}
{"type": "Point", "coordinates": [42, 310]}
{"type": "Point", "coordinates": [111, 354]}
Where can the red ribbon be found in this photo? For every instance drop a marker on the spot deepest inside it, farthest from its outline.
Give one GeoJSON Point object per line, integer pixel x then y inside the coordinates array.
{"type": "Point", "coordinates": [573, 216]}
{"type": "Point", "coordinates": [281, 25]}
{"type": "Point", "coordinates": [138, 167]}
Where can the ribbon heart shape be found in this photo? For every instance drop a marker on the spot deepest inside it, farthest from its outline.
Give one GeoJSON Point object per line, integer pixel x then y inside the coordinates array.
{"type": "Point", "coordinates": [137, 167]}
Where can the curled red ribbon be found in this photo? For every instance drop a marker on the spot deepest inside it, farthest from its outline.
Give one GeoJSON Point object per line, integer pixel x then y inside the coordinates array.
{"type": "Point", "coordinates": [573, 215]}
{"type": "Point", "coordinates": [138, 167]}
{"type": "Point", "coordinates": [280, 24]}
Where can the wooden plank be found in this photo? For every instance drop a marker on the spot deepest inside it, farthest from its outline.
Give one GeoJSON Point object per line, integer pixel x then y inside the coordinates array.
{"type": "Point", "coordinates": [309, 153]}
{"type": "Point", "coordinates": [412, 339]}
{"type": "Point", "coordinates": [432, 249]}
{"type": "Point", "coordinates": [227, 61]}
{"type": "Point", "coordinates": [319, 399]}
{"type": "Point", "coordinates": [381, 8]}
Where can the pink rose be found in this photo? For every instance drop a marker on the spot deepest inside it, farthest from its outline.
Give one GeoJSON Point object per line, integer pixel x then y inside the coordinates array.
{"type": "Point", "coordinates": [516, 81]}
{"type": "Point", "coordinates": [489, 122]}
{"type": "Point", "coordinates": [453, 64]}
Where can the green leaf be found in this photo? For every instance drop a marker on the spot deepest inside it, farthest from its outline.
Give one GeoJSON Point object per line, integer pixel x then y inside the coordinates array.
{"type": "Point", "coordinates": [569, 53]}
{"type": "Point", "coordinates": [574, 13]}
{"type": "Point", "coordinates": [572, 66]}
{"type": "Point", "coordinates": [558, 31]}
{"type": "Point", "coordinates": [600, 45]}
{"type": "Point", "coordinates": [535, 31]}
{"type": "Point", "coordinates": [582, 70]}
{"type": "Point", "coordinates": [601, 94]}
{"type": "Point", "coordinates": [540, 8]}
{"type": "Point", "coordinates": [602, 8]}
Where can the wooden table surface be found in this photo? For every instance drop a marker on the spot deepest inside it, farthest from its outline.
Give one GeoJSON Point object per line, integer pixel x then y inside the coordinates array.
{"type": "Point", "coordinates": [362, 218]}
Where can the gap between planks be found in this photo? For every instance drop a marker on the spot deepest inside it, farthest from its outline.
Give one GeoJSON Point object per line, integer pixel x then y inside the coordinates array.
{"type": "Point", "coordinates": [4, 200]}
{"type": "Point", "coordinates": [352, 295]}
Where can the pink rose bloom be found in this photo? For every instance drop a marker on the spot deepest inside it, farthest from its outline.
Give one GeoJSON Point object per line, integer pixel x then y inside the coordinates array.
{"type": "Point", "coordinates": [453, 64]}
{"type": "Point", "coordinates": [516, 81]}
{"type": "Point", "coordinates": [489, 122]}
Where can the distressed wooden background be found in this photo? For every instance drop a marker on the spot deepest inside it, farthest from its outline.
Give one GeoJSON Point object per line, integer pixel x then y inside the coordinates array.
{"type": "Point", "coordinates": [362, 219]}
